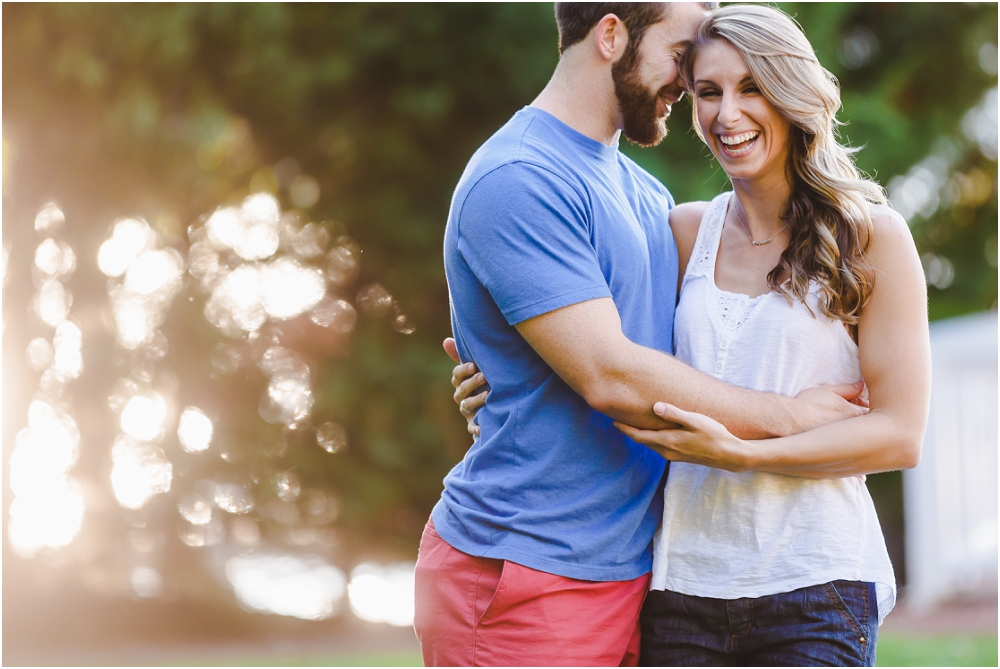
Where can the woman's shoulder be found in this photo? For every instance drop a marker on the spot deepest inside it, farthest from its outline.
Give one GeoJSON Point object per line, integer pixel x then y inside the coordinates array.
{"type": "Point", "coordinates": [685, 218]}
{"type": "Point", "coordinates": [886, 219]}
{"type": "Point", "coordinates": [889, 228]}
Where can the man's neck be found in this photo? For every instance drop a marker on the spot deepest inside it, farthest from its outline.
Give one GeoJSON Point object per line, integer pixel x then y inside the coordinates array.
{"type": "Point", "coordinates": [584, 100]}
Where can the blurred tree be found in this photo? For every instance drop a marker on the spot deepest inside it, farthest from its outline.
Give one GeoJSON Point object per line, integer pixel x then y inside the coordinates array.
{"type": "Point", "coordinates": [168, 111]}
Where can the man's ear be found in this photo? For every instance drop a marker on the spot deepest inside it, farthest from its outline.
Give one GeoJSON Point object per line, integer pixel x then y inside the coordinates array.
{"type": "Point", "coordinates": [611, 38]}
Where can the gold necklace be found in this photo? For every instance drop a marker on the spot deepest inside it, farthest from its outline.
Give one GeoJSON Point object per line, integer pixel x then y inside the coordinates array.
{"type": "Point", "coordinates": [746, 230]}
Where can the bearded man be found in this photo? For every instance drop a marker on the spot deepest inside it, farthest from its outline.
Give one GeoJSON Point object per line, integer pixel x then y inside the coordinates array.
{"type": "Point", "coordinates": [558, 247]}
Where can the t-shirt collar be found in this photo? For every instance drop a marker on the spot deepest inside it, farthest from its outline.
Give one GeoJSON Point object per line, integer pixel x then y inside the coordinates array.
{"type": "Point", "coordinates": [600, 150]}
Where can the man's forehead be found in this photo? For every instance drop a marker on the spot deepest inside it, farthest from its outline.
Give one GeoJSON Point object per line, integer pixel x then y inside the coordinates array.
{"type": "Point", "coordinates": [681, 21]}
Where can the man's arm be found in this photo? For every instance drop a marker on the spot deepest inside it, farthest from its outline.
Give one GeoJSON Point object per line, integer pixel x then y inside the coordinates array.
{"type": "Point", "coordinates": [585, 346]}
{"type": "Point", "coordinates": [895, 361]}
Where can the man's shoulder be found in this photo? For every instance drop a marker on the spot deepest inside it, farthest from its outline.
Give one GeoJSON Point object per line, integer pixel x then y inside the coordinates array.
{"type": "Point", "coordinates": [519, 149]}
{"type": "Point", "coordinates": [515, 163]}
{"type": "Point", "coordinates": [644, 177]}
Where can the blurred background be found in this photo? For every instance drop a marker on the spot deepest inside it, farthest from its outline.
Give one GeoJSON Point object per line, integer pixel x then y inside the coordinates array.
{"type": "Point", "coordinates": [226, 411]}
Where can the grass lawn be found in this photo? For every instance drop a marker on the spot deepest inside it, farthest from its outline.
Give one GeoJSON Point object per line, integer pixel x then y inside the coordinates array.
{"type": "Point", "coordinates": [396, 659]}
{"type": "Point", "coordinates": [894, 650]}
{"type": "Point", "coordinates": [910, 650]}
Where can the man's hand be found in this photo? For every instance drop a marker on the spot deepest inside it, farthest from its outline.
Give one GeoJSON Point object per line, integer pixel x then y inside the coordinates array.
{"type": "Point", "coordinates": [828, 404]}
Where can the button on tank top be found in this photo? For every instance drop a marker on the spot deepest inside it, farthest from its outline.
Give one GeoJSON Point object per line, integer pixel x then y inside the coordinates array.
{"type": "Point", "coordinates": [730, 535]}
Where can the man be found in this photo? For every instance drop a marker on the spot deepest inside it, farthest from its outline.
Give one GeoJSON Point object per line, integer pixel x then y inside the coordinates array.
{"type": "Point", "coordinates": [559, 255]}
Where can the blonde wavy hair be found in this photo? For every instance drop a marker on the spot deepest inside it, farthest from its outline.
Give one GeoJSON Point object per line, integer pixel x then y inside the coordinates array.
{"type": "Point", "coordinates": [828, 210]}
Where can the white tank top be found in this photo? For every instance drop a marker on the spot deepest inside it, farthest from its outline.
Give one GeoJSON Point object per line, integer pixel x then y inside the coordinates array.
{"type": "Point", "coordinates": [728, 535]}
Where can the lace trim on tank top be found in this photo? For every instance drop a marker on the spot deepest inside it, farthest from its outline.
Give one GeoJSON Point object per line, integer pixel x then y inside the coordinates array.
{"type": "Point", "coordinates": [702, 261]}
{"type": "Point", "coordinates": [734, 309]}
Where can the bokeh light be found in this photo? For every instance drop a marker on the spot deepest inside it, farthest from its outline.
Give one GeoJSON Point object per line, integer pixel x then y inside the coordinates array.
{"type": "Point", "coordinates": [130, 238]}
{"type": "Point", "coordinates": [50, 219]}
{"type": "Point", "coordinates": [233, 498]}
{"type": "Point", "coordinates": [146, 582]}
{"type": "Point", "coordinates": [194, 430]}
{"type": "Point", "coordinates": [139, 471]}
{"type": "Point", "coordinates": [195, 509]}
{"type": "Point", "coordinates": [305, 586]}
{"type": "Point", "coordinates": [48, 507]}
{"type": "Point", "coordinates": [143, 416]}
{"type": "Point", "coordinates": [383, 594]}
{"type": "Point", "coordinates": [331, 437]}
{"type": "Point", "coordinates": [53, 302]}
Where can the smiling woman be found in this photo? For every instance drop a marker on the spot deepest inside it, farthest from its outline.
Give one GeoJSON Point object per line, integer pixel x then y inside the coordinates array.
{"type": "Point", "coordinates": [764, 105]}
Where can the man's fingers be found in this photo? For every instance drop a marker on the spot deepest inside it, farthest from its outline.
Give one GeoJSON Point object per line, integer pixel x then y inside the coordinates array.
{"type": "Point", "coordinates": [451, 348]}
{"type": "Point", "coordinates": [849, 391]}
{"type": "Point", "coordinates": [862, 399]}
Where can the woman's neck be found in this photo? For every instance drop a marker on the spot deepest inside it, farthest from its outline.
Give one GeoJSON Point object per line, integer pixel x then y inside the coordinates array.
{"type": "Point", "coordinates": [762, 201]}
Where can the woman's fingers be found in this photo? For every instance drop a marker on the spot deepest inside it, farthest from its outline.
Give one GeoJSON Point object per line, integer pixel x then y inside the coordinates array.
{"type": "Point", "coordinates": [475, 403]}
{"type": "Point", "coordinates": [462, 372]}
{"type": "Point", "coordinates": [465, 380]}
{"type": "Point", "coordinates": [467, 387]}
{"type": "Point", "coordinates": [661, 441]}
{"type": "Point", "coordinates": [675, 415]}
{"type": "Point", "coordinates": [451, 348]}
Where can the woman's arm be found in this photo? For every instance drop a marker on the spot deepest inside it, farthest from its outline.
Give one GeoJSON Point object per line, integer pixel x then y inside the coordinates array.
{"type": "Point", "coordinates": [895, 363]}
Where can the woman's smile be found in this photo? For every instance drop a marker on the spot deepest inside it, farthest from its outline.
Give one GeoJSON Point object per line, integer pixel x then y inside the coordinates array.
{"type": "Point", "coordinates": [746, 133]}
{"type": "Point", "coordinates": [737, 145]}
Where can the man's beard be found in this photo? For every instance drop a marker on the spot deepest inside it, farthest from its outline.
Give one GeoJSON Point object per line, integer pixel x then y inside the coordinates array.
{"type": "Point", "coordinates": [640, 123]}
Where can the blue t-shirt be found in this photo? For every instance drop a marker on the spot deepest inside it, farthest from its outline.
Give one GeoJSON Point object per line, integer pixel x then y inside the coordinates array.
{"type": "Point", "coordinates": [542, 218]}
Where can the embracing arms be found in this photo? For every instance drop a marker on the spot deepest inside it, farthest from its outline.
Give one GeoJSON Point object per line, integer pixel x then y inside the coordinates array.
{"type": "Point", "coordinates": [585, 346]}
{"type": "Point", "coordinates": [895, 362]}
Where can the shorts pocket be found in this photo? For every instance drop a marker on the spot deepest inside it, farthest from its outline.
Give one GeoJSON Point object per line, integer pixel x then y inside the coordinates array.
{"type": "Point", "coordinates": [495, 605]}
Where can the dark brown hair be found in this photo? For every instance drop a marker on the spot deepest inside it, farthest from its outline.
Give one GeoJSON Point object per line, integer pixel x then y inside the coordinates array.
{"type": "Point", "coordinates": [576, 19]}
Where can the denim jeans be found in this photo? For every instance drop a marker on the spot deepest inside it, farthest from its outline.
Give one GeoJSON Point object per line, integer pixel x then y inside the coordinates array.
{"type": "Point", "coordinates": [833, 624]}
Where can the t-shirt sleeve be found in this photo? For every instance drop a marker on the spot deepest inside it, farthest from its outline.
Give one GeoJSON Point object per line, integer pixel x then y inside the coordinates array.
{"type": "Point", "coordinates": [526, 235]}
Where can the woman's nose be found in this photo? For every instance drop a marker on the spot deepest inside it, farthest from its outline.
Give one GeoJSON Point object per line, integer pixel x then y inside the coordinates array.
{"type": "Point", "coordinates": [729, 110]}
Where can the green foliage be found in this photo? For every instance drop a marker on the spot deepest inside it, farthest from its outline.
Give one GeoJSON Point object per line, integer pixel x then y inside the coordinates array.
{"type": "Point", "coordinates": [168, 111]}
{"type": "Point", "coordinates": [908, 650]}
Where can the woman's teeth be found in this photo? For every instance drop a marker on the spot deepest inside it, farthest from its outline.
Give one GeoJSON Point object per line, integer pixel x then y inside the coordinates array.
{"type": "Point", "coordinates": [737, 145]}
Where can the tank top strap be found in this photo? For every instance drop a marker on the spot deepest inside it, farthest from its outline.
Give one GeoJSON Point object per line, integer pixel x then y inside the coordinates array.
{"type": "Point", "coordinates": [706, 245]}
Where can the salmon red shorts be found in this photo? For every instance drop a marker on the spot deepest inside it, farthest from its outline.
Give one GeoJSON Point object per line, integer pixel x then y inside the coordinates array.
{"type": "Point", "coordinates": [482, 612]}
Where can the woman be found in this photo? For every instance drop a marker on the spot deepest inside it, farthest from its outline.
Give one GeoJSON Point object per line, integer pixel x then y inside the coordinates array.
{"type": "Point", "coordinates": [799, 277]}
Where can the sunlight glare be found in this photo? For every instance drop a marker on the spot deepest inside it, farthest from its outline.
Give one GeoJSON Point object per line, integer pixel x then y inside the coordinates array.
{"type": "Point", "coordinates": [304, 587]}
{"type": "Point", "coordinates": [194, 430]}
{"type": "Point", "coordinates": [382, 594]}
{"type": "Point", "coordinates": [143, 416]}
{"type": "Point", "coordinates": [139, 472]}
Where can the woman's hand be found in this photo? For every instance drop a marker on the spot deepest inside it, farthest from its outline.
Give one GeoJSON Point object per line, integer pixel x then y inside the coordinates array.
{"type": "Point", "coordinates": [466, 379]}
{"type": "Point", "coordinates": [691, 437]}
